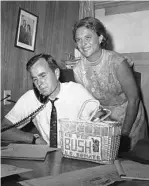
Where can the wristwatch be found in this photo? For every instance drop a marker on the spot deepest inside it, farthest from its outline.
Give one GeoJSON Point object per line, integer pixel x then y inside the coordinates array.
{"type": "Point", "coordinates": [35, 136]}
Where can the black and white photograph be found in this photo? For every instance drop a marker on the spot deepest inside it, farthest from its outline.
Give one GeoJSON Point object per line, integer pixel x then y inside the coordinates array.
{"type": "Point", "coordinates": [75, 93]}
{"type": "Point", "coordinates": [26, 30]}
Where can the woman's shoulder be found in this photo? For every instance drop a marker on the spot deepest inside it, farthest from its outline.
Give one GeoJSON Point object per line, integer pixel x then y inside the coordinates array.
{"type": "Point", "coordinates": [116, 58]}
{"type": "Point", "coordinates": [113, 55]}
{"type": "Point", "coordinates": [78, 68]}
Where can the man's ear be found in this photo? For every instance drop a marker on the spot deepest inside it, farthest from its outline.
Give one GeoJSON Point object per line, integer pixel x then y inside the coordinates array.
{"type": "Point", "coordinates": [57, 73]}
{"type": "Point", "coordinates": [100, 39]}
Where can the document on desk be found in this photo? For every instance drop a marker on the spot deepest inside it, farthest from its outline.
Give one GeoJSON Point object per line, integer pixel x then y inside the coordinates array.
{"type": "Point", "coordinates": [26, 151]}
{"type": "Point", "coordinates": [102, 175]}
{"type": "Point", "coordinates": [128, 169]}
{"type": "Point", "coordinates": [8, 170]}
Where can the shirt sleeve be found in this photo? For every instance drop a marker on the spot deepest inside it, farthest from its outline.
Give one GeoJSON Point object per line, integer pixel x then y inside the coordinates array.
{"type": "Point", "coordinates": [25, 105]}
{"type": "Point", "coordinates": [86, 103]}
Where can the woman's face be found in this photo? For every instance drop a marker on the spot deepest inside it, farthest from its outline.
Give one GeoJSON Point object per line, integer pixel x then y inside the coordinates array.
{"type": "Point", "coordinates": [88, 43]}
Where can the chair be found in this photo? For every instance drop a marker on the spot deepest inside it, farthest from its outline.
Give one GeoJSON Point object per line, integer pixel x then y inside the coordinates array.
{"type": "Point", "coordinates": [66, 75]}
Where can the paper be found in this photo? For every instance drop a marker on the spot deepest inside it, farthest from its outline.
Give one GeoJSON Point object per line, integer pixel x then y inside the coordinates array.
{"type": "Point", "coordinates": [99, 175]}
{"type": "Point", "coordinates": [7, 170]}
{"type": "Point", "coordinates": [132, 170]}
{"type": "Point", "coordinates": [26, 151]}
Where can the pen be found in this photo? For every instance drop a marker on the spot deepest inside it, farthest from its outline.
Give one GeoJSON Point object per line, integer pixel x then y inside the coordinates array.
{"type": "Point", "coordinates": [119, 168]}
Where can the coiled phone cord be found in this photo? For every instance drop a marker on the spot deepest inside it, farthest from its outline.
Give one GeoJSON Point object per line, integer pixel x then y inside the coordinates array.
{"type": "Point", "coordinates": [27, 119]}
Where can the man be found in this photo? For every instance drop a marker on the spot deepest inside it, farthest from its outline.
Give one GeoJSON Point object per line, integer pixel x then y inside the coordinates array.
{"type": "Point", "coordinates": [45, 77]}
{"type": "Point", "coordinates": [28, 35]}
{"type": "Point", "coordinates": [22, 32]}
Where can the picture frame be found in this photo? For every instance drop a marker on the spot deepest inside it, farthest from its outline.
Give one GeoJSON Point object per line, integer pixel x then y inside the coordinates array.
{"type": "Point", "coordinates": [26, 30]}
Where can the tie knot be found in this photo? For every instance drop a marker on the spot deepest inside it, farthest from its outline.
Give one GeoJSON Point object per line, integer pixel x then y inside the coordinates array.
{"type": "Point", "coordinates": [52, 101]}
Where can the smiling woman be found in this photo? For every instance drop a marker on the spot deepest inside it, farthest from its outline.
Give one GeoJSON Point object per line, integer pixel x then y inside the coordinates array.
{"type": "Point", "coordinates": [108, 76]}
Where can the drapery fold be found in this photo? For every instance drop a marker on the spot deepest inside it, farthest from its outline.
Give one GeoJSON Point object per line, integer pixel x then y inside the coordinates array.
{"type": "Point", "coordinates": [86, 9]}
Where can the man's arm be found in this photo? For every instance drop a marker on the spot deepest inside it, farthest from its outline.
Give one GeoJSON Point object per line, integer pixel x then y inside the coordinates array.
{"type": "Point", "coordinates": [16, 135]}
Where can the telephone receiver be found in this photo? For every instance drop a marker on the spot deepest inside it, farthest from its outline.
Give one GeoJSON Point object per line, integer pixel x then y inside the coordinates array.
{"type": "Point", "coordinates": [39, 96]}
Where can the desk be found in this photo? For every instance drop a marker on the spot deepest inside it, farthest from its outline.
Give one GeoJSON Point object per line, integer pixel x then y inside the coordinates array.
{"type": "Point", "coordinates": [53, 165]}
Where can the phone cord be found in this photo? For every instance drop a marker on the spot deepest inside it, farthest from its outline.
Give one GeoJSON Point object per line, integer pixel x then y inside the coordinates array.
{"type": "Point", "coordinates": [27, 119]}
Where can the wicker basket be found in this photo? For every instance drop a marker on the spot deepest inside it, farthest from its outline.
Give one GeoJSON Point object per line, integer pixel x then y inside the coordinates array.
{"type": "Point", "coordinates": [91, 141]}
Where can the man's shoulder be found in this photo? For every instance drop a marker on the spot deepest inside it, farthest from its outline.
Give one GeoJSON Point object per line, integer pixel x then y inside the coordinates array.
{"type": "Point", "coordinates": [72, 85]}
{"type": "Point", "coordinates": [28, 95]}
{"type": "Point", "coordinates": [72, 88]}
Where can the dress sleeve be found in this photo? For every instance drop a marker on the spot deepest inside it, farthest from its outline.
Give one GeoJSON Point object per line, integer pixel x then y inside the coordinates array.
{"type": "Point", "coordinates": [118, 59]}
{"type": "Point", "coordinates": [77, 74]}
{"type": "Point", "coordinates": [128, 60]}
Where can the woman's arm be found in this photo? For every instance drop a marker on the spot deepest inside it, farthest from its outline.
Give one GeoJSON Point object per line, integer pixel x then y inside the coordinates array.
{"type": "Point", "coordinates": [129, 86]}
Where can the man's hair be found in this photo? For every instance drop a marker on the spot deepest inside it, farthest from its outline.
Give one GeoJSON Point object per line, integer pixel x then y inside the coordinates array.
{"type": "Point", "coordinates": [92, 24]}
{"type": "Point", "coordinates": [49, 59]}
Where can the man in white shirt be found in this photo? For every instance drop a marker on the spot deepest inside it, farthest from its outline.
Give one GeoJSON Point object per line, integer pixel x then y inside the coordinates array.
{"type": "Point", "coordinates": [45, 76]}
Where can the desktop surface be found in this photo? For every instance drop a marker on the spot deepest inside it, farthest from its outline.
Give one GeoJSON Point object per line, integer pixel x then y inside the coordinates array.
{"type": "Point", "coordinates": [53, 165]}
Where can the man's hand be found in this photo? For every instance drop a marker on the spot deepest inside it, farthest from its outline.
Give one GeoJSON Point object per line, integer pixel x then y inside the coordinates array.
{"type": "Point", "coordinates": [40, 141]}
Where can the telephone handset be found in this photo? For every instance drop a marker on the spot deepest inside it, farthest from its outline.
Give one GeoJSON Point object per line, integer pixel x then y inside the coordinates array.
{"type": "Point", "coordinates": [42, 99]}
{"type": "Point", "coordinates": [39, 96]}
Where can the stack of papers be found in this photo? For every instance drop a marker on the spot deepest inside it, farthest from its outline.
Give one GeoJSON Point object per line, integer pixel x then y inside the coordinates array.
{"type": "Point", "coordinates": [132, 170]}
{"type": "Point", "coordinates": [25, 151]}
{"type": "Point", "coordinates": [102, 175]}
{"type": "Point", "coordinates": [8, 170]}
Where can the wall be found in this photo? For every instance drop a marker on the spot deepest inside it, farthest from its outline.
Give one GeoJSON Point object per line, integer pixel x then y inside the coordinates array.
{"type": "Point", "coordinates": [141, 59]}
{"type": "Point", "coordinates": [54, 36]}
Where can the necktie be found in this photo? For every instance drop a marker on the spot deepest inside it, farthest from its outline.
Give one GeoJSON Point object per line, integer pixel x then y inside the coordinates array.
{"type": "Point", "coordinates": [53, 125]}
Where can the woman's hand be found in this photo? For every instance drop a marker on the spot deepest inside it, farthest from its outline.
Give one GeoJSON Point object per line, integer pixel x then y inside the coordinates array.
{"type": "Point", "coordinates": [40, 141]}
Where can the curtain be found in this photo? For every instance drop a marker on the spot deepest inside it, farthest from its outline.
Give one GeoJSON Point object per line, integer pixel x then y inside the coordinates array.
{"type": "Point", "coordinates": [86, 9]}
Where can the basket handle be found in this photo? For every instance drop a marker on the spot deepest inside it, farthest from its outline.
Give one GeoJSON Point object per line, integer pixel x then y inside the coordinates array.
{"type": "Point", "coordinates": [95, 111]}
{"type": "Point", "coordinates": [83, 106]}
{"type": "Point", "coordinates": [108, 113]}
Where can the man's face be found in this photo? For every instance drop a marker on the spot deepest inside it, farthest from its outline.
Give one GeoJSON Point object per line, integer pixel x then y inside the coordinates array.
{"type": "Point", "coordinates": [43, 77]}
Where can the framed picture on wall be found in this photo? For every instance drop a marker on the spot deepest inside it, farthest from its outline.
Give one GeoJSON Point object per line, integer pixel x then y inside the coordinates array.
{"type": "Point", "coordinates": [26, 30]}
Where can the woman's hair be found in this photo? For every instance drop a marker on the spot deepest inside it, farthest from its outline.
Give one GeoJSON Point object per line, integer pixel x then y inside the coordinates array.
{"type": "Point", "coordinates": [49, 59]}
{"type": "Point", "coordinates": [93, 24]}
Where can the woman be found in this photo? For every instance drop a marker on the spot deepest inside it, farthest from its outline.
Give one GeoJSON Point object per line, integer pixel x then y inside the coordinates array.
{"type": "Point", "coordinates": [108, 76]}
